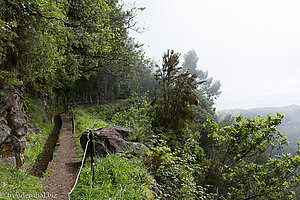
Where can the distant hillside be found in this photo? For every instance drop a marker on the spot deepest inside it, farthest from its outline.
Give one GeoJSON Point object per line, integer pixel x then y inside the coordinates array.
{"type": "Point", "coordinates": [292, 113]}
{"type": "Point", "coordinates": [290, 125]}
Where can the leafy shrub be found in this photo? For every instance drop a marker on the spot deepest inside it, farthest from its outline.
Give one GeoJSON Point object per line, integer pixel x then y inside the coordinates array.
{"type": "Point", "coordinates": [174, 171]}
{"type": "Point", "coordinates": [171, 108]}
{"type": "Point", "coordinates": [234, 160]}
{"type": "Point", "coordinates": [136, 119]}
{"type": "Point", "coordinates": [86, 120]}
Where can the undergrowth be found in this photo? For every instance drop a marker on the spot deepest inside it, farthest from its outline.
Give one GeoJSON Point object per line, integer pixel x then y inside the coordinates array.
{"type": "Point", "coordinates": [35, 141]}
{"type": "Point", "coordinates": [137, 175]}
{"type": "Point", "coordinates": [129, 113]}
{"type": "Point", "coordinates": [84, 119]}
{"type": "Point", "coordinates": [116, 177]}
{"type": "Point", "coordinates": [15, 183]}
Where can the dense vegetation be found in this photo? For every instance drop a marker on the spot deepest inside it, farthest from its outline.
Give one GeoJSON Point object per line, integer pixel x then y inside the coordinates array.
{"type": "Point", "coordinates": [290, 125]}
{"type": "Point", "coordinates": [238, 162]}
{"type": "Point", "coordinates": [77, 52]}
{"type": "Point", "coordinates": [52, 48]}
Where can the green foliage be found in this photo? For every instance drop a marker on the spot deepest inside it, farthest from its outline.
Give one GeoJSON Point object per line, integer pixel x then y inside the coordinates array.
{"type": "Point", "coordinates": [171, 108]}
{"type": "Point", "coordinates": [102, 51]}
{"type": "Point", "coordinates": [107, 110]}
{"type": "Point", "coordinates": [290, 125]}
{"type": "Point", "coordinates": [7, 77]}
{"type": "Point", "coordinates": [17, 182]}
{"type": "Point", "coordinates": [116, 177]}
{"type": "Point", "coordinates": [272, 180]}
{"type": "Point", "coordinates": [251, 136]}
{"type": "Point", "coordinates": [36, 113]}
{"type": "Point", "coordinates": [130, 113]}
{"type": "Point", "coordinates": [237, 172]}
{"type": "Point", "coordinates": [51, 45]}
{"type": "Point", "coordinates": [7, 36]}
{"type": "Point", "coordinates": [35, 142]}
{"type": "Point", "coordinates": [99, 34]}
{"type": "Point", "coordinates": [174, 171]}
{"type": "Point", "coordinates": [204, 110]}
{"type": "Point", "coordinates": [36, 51]}
{"type": "Point", "coordinates": [136, 119]}
{"type": "Point", "coordinates": [85, 119]}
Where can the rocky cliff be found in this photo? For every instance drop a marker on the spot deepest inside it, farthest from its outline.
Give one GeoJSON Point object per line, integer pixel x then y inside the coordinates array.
{"type": "Point", "coordinates": [13, 124]}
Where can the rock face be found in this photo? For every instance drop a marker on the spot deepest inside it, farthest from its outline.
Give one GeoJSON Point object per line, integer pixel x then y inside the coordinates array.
{"type": "Point", "coordinates": [109, 139]}
{"type": "Point", "coordinates": [13, 125]}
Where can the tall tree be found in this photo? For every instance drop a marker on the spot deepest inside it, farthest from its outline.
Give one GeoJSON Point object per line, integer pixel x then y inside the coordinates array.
{"type": "Point", "coordinates": [190, 62]}
{"type": "Point", "coordinates": [211, 89]}
{"type": "Point", "coordinates": [100, 39]}
{"type": "Point", "coordinates": [51, 45]}
{"type": "Point", "coordinates": [174, 97]}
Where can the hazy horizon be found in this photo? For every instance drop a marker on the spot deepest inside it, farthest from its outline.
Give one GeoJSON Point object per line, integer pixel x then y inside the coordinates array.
{"type": "Point", "coordinates": [251, 46]}
{"type": "Point", "coordinates": [266, 107]}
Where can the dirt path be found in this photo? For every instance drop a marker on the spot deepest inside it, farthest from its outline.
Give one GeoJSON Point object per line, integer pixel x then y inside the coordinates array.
{"type": "Point", "coordinates": [65, 166]}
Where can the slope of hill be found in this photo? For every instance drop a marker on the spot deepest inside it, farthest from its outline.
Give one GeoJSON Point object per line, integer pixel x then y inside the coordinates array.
{"type": "Point", "coordinates": [292, 113]}
{"type": "Point", "coordinates": [290, 125]}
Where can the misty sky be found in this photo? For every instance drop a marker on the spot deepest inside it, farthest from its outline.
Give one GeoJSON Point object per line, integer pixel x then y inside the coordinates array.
{"type": "Point", "coordinates": [251, 46]}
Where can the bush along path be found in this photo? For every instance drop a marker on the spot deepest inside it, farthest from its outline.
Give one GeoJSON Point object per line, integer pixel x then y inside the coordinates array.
{"type": "Point", "coordinates": [64, 167]}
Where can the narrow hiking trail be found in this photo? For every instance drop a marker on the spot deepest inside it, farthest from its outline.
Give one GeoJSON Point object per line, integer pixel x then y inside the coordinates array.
{"type": "Point", "coordinates": [65, 166]}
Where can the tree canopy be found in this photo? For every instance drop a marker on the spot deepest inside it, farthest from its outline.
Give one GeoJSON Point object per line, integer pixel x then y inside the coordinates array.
{"type": "Point", "coordinates": [49, 45]}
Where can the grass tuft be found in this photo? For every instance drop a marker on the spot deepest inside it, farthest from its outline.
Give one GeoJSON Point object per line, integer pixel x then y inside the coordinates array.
{"type": "Point", "coordinates": [116, 177]}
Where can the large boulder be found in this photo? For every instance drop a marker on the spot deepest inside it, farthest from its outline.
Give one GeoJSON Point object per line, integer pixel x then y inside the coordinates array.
{"type": "Point", "coordinates": [110, 139]}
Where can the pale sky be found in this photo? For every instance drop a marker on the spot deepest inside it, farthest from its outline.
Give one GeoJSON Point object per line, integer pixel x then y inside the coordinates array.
{"type": "Point", "coordinates": [251, 46]}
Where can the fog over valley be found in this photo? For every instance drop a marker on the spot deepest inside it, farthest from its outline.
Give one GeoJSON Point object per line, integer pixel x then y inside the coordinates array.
{"type": "Point", "coordinates": [251, 46]}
